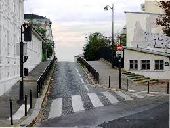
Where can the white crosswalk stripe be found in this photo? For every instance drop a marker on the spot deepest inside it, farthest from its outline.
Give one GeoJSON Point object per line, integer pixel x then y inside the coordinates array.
{"type": "Point", "coordinates": [95, 100]}
{"type": "Point", "coordinates": [20, 112]}
{"type": "Point", "coordinates": [56, 108]}
{"type": "Point", "coordinates": [77, 103]}
{"type": "Point", "coordinates": [110, 97]}
{"type": "Point", "coordinates": [124, 96]}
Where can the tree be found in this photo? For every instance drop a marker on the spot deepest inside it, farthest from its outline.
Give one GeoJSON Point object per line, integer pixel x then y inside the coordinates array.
{"type": "Point", "coordinates": [96, 41]}
{"type": "Point", "coordinates": [164, 20]}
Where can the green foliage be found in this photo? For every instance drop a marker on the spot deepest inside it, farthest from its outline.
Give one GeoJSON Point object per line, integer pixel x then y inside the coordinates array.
{"type": "Point", "coordinates": [164, 20]}
{"type": "Point", "coordinates": [123, 40]}
{"type": "Point", "coordinates": [47, 50]}
{"type": "Point", "coordinates": [41, 30]}
{"type": "Point", "coordinates": [96, 41]}
{"type": "Point", "coordinates": [44, 56]}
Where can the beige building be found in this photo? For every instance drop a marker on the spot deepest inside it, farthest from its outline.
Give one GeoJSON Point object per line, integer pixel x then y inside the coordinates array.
{"type": "Point", "coordinates": [148, 49]}
{"type": "Point", "coordinates": [152, 6]}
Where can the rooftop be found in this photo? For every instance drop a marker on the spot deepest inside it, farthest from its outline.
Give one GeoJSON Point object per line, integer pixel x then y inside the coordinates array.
{"type": "Point", "coordinates": [142, 13]}
{"type": "Point", "coordinates": [149, 51]}
{"type": "Point", "coordinates": [34, 16]}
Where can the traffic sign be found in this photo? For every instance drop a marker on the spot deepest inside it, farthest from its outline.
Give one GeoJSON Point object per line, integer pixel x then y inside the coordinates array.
{"type": "Point", "coordinates": [119, 48]}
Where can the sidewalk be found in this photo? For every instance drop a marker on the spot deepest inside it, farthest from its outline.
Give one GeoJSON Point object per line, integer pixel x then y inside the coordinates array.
{"type": "Point", "coordinates": [105, 70]}
{"type": "Point", "coordinates": [13, 93]}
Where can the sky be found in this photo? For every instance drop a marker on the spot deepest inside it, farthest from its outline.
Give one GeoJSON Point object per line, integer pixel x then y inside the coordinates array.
{"type": "Point", "coordinates": [73, 20]}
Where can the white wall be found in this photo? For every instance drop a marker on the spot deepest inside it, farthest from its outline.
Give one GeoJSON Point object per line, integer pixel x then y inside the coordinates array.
{"type": "Point", "coordinates": [139, 23]}
{"type": "Point", "coordinates": [11, 18]}
{"type": "Point", "coordinates": [152, 6]}
{"type": "Point", "coordinates": [34, 52]}
{"type": "Point", "coordinates": [155, 74]}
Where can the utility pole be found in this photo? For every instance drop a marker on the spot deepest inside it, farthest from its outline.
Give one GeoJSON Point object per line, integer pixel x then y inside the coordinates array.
{"type": "Point", "coordinates": [112, 8]}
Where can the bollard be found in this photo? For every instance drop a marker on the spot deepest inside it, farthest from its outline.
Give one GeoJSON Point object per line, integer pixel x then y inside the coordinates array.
{"type": "Point", "coordinates": [10, 101]}
{"type": "Point", "coordinates": [148, 87]}
{"type": "Point", "coordinates": [109, 81]}
{"type": "Point", "coordinates": [30, 99]}
{"type": "Point", "coordinates": [37, 89]}
{"type": "Point", "coordinates": [167, 87]}
{"type": "Point", "coordinates": [25, 105]}
{"type": "Point", "coordinates": [127, 84]}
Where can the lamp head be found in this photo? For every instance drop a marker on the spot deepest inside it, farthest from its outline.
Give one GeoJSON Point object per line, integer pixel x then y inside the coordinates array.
{"type": "Point", "coordinates": [106, 8]}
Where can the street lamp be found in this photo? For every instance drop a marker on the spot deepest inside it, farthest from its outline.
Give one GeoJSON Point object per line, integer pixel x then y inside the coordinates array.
{"type": "Point", "coordinates": [120, 72]}
{"type": "Point", "coordinates": [112, 8]}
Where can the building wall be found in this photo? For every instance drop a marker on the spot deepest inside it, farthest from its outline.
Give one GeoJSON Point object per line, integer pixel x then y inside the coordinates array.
{"type": "Point", "coordinates": [155, 74]}
{"type": "Point", "coordinates": [34, 52]}
{"type": "Point", "coordinates": [153, 7]}
{"type": "Point", "coordinates": [139, 23]}
{"type": "Point", "coordinates": [11, 18]}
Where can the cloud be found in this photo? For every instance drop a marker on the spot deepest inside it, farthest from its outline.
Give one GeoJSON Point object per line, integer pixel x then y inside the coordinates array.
{"type": "Point", "coordinates": [75, 19]}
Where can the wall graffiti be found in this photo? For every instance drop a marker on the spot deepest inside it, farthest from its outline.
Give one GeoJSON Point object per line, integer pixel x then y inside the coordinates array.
{"type": "Point", "coordinates": [157, 40]}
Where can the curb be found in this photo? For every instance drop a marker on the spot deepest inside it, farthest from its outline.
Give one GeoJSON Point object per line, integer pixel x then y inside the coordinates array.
{"type": "Point", "coordinates": [30, 120]}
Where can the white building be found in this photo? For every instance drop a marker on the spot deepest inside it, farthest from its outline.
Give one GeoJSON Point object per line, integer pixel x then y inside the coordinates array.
{"type": "Point", "coordinates": [42, 21]}
{"type": "Point", "coordinates": [148, 49]}
{"type": "Point", "coordinates": [153, 64]}
{"type": "Point", "coordinates": [11, 19]}
{"type": "Point", "coordinates": [34, 51]}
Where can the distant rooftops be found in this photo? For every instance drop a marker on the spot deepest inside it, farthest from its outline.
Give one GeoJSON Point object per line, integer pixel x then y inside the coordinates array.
{"type": "Point", "coordinates": [34, 16]}
{"type": "Point", "coordinates": [30, 16]}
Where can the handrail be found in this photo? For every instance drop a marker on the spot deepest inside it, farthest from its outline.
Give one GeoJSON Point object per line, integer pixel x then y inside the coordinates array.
{"type": "Point", "coordinates": [94, 73]}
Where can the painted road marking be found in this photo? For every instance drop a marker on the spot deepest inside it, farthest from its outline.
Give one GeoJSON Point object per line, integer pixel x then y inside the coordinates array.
{"type": "Point", "coordinates": [77, 70]}
{"type": "Point", "coordinates": [77, 103]}
{"type": "Point", "coordinates": [111, 98]}
{"type": "Point", "coordinates": [56, 108]}
{"type": "Point", "coordinates": [20, 112]}
{"type": "Point", "coordinates": [86, 87]}
{"type": "Point", "coordinates": [137, 95]}
{"type": "Point", "coordinates": [130, 90]}
{"type": "Point", "coordinates": [95, 100]}
{"type": "Point", "coordinates": [126, 97]}
{"type": "Point", "coordinates": [82, 80]}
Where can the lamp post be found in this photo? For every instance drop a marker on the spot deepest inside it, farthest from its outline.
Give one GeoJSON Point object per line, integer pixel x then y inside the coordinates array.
{"type": "Point", "coordinates": [112, 8]}
{"type": "Point", "coordinates": [120, 72]}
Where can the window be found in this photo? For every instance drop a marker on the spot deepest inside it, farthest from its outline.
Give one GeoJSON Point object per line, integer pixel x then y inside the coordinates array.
{"type": "Point", "coordinates": [133, 64]}
{"type": "Point", "coordinates": [145, 64]}
{"type": "Point", "coordinates": [159, 64]}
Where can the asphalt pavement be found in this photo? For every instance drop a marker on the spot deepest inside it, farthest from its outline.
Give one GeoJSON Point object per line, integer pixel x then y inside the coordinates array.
{"type": "Point", "coordinates": [74, 102]}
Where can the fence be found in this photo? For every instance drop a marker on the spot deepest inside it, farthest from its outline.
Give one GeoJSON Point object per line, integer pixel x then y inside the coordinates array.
{"type": "Point", "coordinates": [40, 83]}
{"type": "Point", "coordinates": [43, 76]}
{"type": "Point", "coordinates": [94, 73]}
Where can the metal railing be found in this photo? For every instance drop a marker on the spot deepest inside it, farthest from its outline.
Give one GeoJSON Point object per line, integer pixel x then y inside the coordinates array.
{"type": "Point", "coordinates": [43, 76]}
{"type": "Point", "coordinates": [94, 73]}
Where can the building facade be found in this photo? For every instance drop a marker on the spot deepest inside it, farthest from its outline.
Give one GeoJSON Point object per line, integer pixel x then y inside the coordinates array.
{"type": "Point", "coordinates": [34, 51]}
{"type": "Point", "coordinates": [148, 49]}
{"type": "Point", "coordinates": [147, 63]}
{"type": "Point", "coordinates": [11, 18]}
{"type": "Point", "coordinates": [42, 22]}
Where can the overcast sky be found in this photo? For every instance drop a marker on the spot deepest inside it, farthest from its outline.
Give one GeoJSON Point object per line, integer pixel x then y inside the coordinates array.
{"type": "Point", "coordinates": [74, 19]}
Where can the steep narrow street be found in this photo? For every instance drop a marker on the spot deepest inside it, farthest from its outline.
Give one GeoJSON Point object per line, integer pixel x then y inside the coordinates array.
{"type": "Point", "coordinates": [74, 102]}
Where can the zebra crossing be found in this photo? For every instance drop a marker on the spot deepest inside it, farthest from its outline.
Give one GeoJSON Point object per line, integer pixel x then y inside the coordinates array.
{"type": "Point", "coordinates": [78, 104]}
